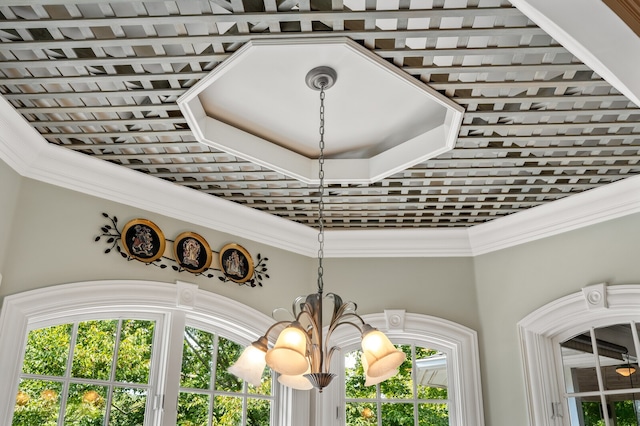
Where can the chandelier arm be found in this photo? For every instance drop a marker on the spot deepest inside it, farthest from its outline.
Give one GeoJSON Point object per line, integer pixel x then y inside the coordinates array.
{"type": "Point", "coordinates": [346, 319]}
{"type": "Point", "coordinates": [332, 327]}
{"type": "Point", "coordinates": [345, 309]}
{"type": "Point", "coordinates": [339, 307]}
{"type": "Point", "coordinates": [314, 336]}
{"type": "Point", "coordinates": [297, 306]}
{"type": "Point", "coordinates": [275, 311]}
{"type": "Point", "coordinates": [329, 356]}
{"type": "Point", "coordinates": [310, 317]}
{"type": "Point", "coordinates": [270, 329]}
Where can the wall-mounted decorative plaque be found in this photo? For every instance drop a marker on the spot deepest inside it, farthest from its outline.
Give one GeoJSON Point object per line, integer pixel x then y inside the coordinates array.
{"type": "Point", "coordinates": [143, 240]}
{"type": "Point", "coordinates": [192, 252]}
{"type": "Point", "coordinates": [236, 263]}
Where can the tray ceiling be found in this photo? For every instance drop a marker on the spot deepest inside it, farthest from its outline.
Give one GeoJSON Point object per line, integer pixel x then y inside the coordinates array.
{"type": "Point", "coordinates": [103, 78]}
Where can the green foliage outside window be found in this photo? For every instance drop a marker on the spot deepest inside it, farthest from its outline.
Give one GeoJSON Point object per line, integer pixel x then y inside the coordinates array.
{"type": "Point", "coordinates": [96, 395]}
{"type": "Point", "coordinates": [205, 388]}
{"type": "Point", "coordinates": [394, 402]}
{"type": "Point", "coordinates": [624, 411]}
{"type": "Point", "coordinates": [39, 400]}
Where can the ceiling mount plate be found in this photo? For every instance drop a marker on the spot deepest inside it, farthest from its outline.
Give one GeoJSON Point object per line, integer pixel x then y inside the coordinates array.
{"type": "Point", "coordinates": [321, 78]}
{"type": "Point", "coordinates": [379, 120]}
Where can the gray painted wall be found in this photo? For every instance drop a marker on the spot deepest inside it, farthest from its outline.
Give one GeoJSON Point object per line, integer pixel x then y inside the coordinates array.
{"type": "Point", "coordinates": [441, 287]}
{"type": "Point", "coordinates": [514, 282]}
{"type": "Point", "coordinates": [9, 190]}
{"type": "Point", "coordinates": [62, 224]}
{"type": "Point", "coordinates": [489, 293]}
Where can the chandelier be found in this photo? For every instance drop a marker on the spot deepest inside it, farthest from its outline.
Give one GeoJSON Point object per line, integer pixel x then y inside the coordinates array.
{"type": "Point", "coordinates": [302, 352]}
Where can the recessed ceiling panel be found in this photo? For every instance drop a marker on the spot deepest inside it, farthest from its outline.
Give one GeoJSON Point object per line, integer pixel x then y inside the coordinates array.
{"type": "Point", "coordinates": [378, 119]}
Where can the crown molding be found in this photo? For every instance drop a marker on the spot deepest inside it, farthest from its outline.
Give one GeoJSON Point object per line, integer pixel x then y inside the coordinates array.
{"type": "Point", "coordinates": [398, 243]}
{"type": "Point", "coordinates": [587, 208]}
{"type": "Point", "coordinates": [29, 154]}
{"type": "Point", "coordinates": [23, 149]}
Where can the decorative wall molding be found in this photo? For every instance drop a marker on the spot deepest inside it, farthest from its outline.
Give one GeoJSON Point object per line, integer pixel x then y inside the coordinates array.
{"type": "Point", "coordinates": [596, 296]}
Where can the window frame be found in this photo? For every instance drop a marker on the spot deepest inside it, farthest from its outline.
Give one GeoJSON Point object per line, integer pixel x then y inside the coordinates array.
{"type": "Point", "coordinates": [458, 342]}
{"type": "Point", "coordinates": [175, 304]}
{"type": "Point", "coordinates": [67, 379]}
{"type": "Point", "coordinates": [211, 393]}
{"type": "Point", "coordinates": [542, 331]}
{"type": "Point", "coordinates": [378, 400]}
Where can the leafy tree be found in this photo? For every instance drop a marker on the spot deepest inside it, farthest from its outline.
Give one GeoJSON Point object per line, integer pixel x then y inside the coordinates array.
{"type": "Point", "coordinates": [196, 377]}
{"type": "Point", "coordinates": [624, 411]}
{"type": "Point", "coordinates": [364, 406]}
{"type": "Point", "coordinates": [38, 401]}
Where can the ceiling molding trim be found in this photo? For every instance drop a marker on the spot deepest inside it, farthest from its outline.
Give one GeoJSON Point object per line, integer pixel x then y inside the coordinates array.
{"type": "Point", "coordinates": [598, 37]}
{"type": "Point", "coordinates": [23, 149]}
{"type": "Point", "coordinates": [116, 183]}
{"type": "Point", "coordinates": [20, 143]}
{"type": "Point", "coordinates": [398, 243]}
{"type": "Point", "coordinates": [587, 208]}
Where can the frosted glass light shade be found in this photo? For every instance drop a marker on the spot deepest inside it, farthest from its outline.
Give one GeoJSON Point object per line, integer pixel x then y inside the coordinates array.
{"type": "Point", "coordinates": [288, 356]}
{"type": "Point", "coordinates": [381, 356]}
{"type": "Point", "coordinates": [625, 370]}
{"type": "Point", "coordinates": [250, 365]}
{"type": "Point", "coordinates": [369, 380]}
{"type": "Point", "coordinates": [298, 382]}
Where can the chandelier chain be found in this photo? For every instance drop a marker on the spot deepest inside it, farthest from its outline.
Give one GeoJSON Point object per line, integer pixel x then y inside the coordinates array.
{"type": "Point", "coordinates": [321, 193]}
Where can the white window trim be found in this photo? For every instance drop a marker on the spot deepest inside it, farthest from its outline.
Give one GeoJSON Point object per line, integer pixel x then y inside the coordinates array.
{"type": "Point", "coordinates": [542, 331]}
{"type": "Point", "coordinates": [183, 302]}
{"type": "Point", "coordinates": [458, 342]}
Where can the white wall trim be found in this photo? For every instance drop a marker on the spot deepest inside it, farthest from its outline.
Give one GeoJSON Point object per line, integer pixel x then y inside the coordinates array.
{"type": "Point", "coordinates": [591, 207]}
{"type": "Point", "coordinates": [22, 148]}
{"type": "Point", "coordinates": [542, 330]}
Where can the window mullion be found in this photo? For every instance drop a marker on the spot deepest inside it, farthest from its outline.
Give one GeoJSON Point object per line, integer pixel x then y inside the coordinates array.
{"type": "Point", "coordinates": [603, 398]}
{"type": "Point", "coordinates": [112, 374]}
{"type": "Point", "coordinates": [166, 408]}
{"type": "Point", "coordinates": [378, 405]}
{"type": "Point", "coordinates": [67, 376]}
{"type": "Point", "coordinates": [212, 383]}
{"type": "Point", "coordinates": [414, 381]}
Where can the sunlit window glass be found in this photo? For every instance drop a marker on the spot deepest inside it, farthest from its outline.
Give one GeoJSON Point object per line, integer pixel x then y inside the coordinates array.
{"type": "Point", "coordinates": [209, 394]}
{"type": "Point", "coordinates": [416, 395]}
{"type": "Point", "coordinates": [73, 374]}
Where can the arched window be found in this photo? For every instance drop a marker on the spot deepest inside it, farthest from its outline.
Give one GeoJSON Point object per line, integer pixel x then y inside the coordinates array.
{"type": "Point", "coordinates": [88, 371]}
{"type": "Point", "coordinates": [97, 352]}
{"type": "Point", "coordinates": [580, 354]}
{"type": "Point", "coordinates": [439, 384]}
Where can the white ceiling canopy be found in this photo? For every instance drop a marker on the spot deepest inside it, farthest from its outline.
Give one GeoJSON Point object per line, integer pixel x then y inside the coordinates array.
{"type": "Point", "coordinates": [379, 119]}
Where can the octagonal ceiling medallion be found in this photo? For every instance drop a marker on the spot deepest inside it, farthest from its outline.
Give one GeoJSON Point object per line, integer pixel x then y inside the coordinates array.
{"type": "Point", "coordinates": [378, 120]}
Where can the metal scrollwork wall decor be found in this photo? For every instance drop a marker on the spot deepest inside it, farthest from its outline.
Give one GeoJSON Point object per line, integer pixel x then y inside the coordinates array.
{"type": "Point", "coordinates": [142, 240]}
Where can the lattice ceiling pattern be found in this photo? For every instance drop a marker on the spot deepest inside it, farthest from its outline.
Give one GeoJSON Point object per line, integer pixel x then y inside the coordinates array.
{"type": "Point", "coordinates": [102, 79]}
